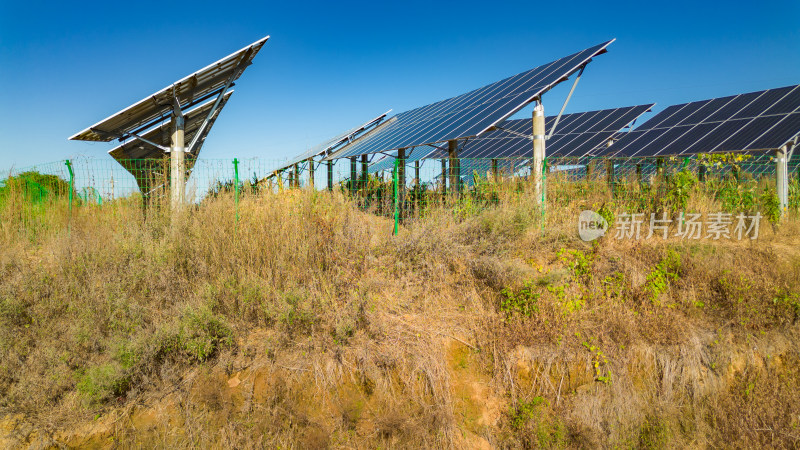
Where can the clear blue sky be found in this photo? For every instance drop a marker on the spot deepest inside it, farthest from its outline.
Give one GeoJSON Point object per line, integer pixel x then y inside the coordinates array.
{"type": "Point", "coordinates": [331, 65]}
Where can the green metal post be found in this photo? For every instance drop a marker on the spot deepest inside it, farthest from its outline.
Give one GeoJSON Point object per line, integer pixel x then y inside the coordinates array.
{"type": "Point", "coordinates": [396, 196]}
{"type": "Point", "coordinates": [68, 163]}
{"type": "Point", "coordinates": [236, 187]}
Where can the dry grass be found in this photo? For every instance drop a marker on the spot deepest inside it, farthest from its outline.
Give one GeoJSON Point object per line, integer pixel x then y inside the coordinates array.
{"type": "Point", "coordinates": [307, 324]}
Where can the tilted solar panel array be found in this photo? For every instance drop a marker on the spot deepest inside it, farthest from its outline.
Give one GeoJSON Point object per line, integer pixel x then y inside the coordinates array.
{"type": "Point", "coordinates": [189, 91]}
{"type": "Point", "coordinates": [470, 114]}
{"type": "Point", "coordinates": [578, 134]}
{"type": "Point", "coordinates": [755, 121]}
{"type": "Point", "coordinates": [342, 139]}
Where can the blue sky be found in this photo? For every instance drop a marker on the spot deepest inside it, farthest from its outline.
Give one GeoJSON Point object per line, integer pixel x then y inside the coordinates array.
{"type": "Point", "coordinates": [332, 65]}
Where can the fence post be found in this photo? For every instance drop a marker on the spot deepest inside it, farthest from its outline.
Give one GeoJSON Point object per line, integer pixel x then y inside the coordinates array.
{"type": "Point", "coordinates": [396, 197]}
{"type": "Point", "coordinates": [610, 174]}
{"type": "Point", "coordinates": [68, 163]}
{"type": "Point", "coordinates": [236, 187]}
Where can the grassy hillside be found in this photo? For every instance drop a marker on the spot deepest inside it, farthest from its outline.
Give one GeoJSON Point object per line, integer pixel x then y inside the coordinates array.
{"type": "Point", "coordinates": [307, 324]}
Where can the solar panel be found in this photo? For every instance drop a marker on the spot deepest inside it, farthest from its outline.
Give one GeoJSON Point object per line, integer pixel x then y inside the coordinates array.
{"type": "Point", "coordinates": [191, 90]}
{"type": "Point", "coordinates": [333, 144]}
{"type": "Point", "coordinates": [756, 121]}
{"type": "Point", "coordinates": [473, 113]}
{"type": "Point", "coordinates": [578, 134]}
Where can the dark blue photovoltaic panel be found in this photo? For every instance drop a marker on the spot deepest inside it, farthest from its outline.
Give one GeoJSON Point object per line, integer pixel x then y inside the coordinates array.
{"type": "Point", "coordinates": [567, 140]}
{"type": "Point", "coordinates": [577, 134]}
{"type": "Point", "coordinates": [470, 114]}
{"type": "Point", "coordinates": [764, 120]}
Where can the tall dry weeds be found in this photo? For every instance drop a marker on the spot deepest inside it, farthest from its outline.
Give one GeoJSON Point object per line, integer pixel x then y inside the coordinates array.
{"type": "Point", "coordinates": [307, 324]}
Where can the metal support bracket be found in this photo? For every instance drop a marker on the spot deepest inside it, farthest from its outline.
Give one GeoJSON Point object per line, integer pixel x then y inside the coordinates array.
{"type": "Point", "coordinates": [564, 106]}
{"type": "Point", "coordinates": [234, 75]}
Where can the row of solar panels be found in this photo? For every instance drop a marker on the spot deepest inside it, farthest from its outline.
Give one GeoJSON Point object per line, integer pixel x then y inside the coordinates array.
{"type": "Point", "coordinates": [477, 121]}
{"type": "Point", "coordinates": [756, 121]}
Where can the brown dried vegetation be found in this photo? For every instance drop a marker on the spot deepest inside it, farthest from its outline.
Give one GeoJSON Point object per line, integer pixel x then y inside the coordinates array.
{"type": "Point", "coordinates": [308, 325]}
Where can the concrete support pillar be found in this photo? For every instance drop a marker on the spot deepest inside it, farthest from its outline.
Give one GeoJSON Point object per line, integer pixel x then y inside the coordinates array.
{"type": "Point", "coordinates": [537, 162]}
{"type": "Point", "coordinates": [177, 163]}
{"type": "Point", "coordinates": [311, 172]}
{"type": "Point", "coordinates": [782, 174]}
{"type": "Point", "coordinates": [455, 166]}
{"type": "Point", "coordinates": [330, 176]}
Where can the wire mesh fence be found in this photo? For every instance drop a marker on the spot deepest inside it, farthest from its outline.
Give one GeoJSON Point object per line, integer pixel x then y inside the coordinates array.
{"type": "Point", "coordinates": [410, 190]}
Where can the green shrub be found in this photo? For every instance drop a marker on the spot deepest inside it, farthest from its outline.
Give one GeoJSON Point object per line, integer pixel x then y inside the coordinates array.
{"type": "Point", "coordinates": [658, 280]}
{"type": "Point", "coordinates": [523, 301]}
{"type": "Point", "coordinates": [202, 333]}
{"type": "Point", "coordinates": [100, 383]}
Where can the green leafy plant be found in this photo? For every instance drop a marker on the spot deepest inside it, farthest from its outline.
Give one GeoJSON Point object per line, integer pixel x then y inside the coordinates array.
{"type": "Point", "coordinates": [658, 280]}
{"type": "Point", "coordinates": [602, 372]}
{"type": "Point", "coordinates": [523, 301]}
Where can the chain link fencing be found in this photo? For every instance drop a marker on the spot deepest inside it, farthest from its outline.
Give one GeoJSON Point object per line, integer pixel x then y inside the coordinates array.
{"type": "Point", "coordinates": [411, 190]}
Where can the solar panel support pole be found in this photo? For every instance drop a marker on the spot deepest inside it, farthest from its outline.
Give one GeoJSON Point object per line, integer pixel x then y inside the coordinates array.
{"type": "Point", "coordinates": [782, 181]}
{"type": "Point", "coordinates": [416, 173]}
{"type": "Point", "coordinates": [444, 176]}
{"type": "Point", "coordinates": [297, 175]}
{"type": "Point", "coordinates": [330, 176]}
{"type": "Point", "coordinates": [538, 148]}
{"type": "Point", "coordinates": [364, 173]}
{"type": "Point", "coordinates": [311, 172]}
{"type": "Point", "coordinates": [495, 177]}
{"type": "Point", "coordinates": [455, 165]}
{"type": "Point", "coordinates": [177, 163]}
{"type": "Point", "coordinates": [353, 174]}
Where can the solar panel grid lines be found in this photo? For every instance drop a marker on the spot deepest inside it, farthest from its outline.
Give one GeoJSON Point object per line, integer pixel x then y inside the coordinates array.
{"type": "Point", "coordinates": [326, 146]}
{"type": "Point", "coordinates": [755, 121]}
{"type": "Point", "coordinates": [577, 134]}
{"type": "Point", "coordinates": [472, 113]}
{"type": "Point", "coordinates": [156, 107]}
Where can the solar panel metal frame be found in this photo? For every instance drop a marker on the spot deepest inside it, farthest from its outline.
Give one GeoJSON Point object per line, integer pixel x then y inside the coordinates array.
{"type": "Point", "coordinates": [162, 134]}
{"type": "Point", "coordinates": [443, 115]}
{"type": "Point", "coordinates": [332, 144]}
{"type": "Point", "coordinates": [189, 91]}
{"type": "Point", "coordinates": [512, 134]}
{"type": "Point", "coordinates": [746, 122]}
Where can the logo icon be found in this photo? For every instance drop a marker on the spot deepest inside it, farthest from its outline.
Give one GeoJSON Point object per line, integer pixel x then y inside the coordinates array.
{"type": "Point", "coordinates": [591, 225]}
